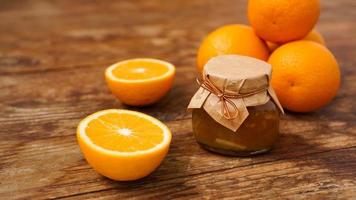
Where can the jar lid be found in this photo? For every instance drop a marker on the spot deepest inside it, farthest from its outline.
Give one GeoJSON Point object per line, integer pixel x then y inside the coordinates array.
{"type": "Point", "coordinates": [228, 71]}
{"type": "Point", "coordinates": [230, 84]}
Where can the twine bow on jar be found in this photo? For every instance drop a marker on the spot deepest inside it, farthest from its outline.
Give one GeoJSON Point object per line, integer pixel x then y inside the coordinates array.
{"type": "Point", "coordinates": [224, 97]}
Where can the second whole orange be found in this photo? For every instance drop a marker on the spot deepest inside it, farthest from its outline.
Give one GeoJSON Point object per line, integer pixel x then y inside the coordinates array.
{"type": "Point", "coordinates": [231, 39]}
{"type": "Point", "coordinates": [305, 76]}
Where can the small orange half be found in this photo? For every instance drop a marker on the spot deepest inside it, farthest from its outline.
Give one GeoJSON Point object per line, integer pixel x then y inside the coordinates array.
{"type": "Point", "coordinates": [123, 144]}
{"type": "Point", "coordinates": [140, 81]}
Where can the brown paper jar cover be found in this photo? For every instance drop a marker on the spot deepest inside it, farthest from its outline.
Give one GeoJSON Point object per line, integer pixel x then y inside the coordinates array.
{"type": "Point", "coordinates": [235, 75]}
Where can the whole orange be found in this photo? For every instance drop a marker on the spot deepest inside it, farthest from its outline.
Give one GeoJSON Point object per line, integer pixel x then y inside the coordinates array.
{"type": "Point", "coordinates": [272, 46]}
{"type": "Point", "coordinates": [305, 76]}
{"type": "Point", "coordinates": [283, 21]}
{"type": "Point", "coordinates": [315, 36]}
{"type": "Point", "coordinates": [231, 39]}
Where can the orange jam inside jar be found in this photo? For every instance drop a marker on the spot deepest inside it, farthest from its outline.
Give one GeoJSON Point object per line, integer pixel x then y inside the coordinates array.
{"type": "Point", "coordinates": [245, 121]}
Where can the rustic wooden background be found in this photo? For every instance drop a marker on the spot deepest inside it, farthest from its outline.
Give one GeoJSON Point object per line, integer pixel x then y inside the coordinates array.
{"type": "Point", "coordinates": [52, 58]}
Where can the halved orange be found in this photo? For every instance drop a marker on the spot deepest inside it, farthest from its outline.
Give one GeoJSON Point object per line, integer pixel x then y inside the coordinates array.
{"type": "Point", "coordinates": [141, 81]}
{"type": "Point", "coordinates": [122, 144]}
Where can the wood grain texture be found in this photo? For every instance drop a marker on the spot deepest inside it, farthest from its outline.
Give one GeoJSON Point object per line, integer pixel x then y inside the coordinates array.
{"type": "Point", "coordinates": [52, 58]}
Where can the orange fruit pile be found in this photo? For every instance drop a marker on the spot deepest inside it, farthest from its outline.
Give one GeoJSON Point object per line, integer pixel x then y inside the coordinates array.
{"type": "Point", "coordinates": [306, 75]}
{"type": "Point", "coordinates": [123, 145]}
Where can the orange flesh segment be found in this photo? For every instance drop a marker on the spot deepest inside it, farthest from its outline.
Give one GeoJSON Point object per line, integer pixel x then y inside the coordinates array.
{"type": "Point", "coordinates": [124, 132]}
{"type": "Point", "coordinates": [138, 70]}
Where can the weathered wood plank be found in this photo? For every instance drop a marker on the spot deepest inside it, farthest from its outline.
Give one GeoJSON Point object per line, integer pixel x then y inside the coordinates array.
{"type": "Point", "coordinates": [52, 58]}
{"type": "Point", "coordinates": [62, 40]}
{"type": "Point", "coordinates": [69, 174]}
{"type": "Point", "coordinates": [273, 178]}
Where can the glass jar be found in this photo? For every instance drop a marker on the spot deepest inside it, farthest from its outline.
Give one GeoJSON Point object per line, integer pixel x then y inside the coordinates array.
{"type": "Point", "coordinates": [256, 135]}
{"type": "Point", "coordinates": [235, 111]}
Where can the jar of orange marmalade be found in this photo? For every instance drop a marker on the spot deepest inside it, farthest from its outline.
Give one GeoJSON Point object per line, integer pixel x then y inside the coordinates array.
{"type": "Point", "coordinates": [235, 111]}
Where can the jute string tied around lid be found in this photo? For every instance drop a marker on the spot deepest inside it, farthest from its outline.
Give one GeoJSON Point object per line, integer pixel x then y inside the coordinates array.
{"type": "Point", "coordinates": [225, 97]}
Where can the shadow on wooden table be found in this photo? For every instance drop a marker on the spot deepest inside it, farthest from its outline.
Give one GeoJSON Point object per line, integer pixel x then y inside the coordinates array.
{"type": "Point", "coordinates": [172, 173]}
{"type": "Point", "coordinates": [325, 146]}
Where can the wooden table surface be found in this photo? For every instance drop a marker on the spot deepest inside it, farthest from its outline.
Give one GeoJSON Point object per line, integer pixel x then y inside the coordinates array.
{"type": "Point", "coordinates": [52, 58]}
